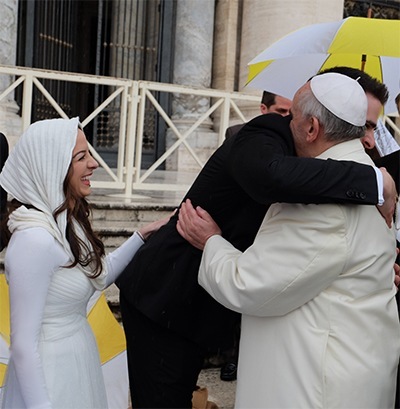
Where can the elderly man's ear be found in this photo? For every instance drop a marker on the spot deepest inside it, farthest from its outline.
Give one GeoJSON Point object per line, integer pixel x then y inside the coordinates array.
{"type": "Point", "coordinates": [313, 129]}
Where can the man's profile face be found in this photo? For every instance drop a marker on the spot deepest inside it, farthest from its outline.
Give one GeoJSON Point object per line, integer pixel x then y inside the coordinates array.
{"type": "Point", "coordinates": [281, 106]}
{"type": "Point", "coordinates": [373, 113]}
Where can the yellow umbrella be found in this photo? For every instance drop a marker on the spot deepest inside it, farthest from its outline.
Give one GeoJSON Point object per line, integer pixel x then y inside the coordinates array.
{"type": "Point", "coordinates": [372, 45]}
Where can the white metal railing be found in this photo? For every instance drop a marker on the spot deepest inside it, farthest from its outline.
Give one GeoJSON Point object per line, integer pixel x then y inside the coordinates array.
{"type": "Point", "coordinates": [30, 78]}
{"type": "Point", "coordinates": [221, 100]}
{"type": "Point", "coordinates": [133, 97]}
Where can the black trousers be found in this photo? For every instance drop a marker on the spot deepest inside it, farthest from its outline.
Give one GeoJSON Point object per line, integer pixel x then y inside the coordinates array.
{"type": "Point", "coordinates": [163, 366]}
{"type": "Point", "coordinates": [397, 402]}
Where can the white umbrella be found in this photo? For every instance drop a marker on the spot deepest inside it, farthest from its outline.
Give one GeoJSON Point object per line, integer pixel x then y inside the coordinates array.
{"type": "Point", "coordinates": [372, 45]}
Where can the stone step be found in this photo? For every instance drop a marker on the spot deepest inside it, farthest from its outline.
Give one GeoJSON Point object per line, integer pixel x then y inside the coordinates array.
{"type": "Point", "coordinates": [114, 232]}
{"type": "Point", "coordinates": [115, 224]}
{"type": "Point", "coordinates": [129, 212]}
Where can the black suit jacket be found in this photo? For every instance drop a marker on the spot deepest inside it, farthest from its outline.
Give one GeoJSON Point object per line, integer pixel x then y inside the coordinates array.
{"type": "Point", "coordinates": [3, 193]}
{"type": "Point", "coordinates": [247, 173]}
{"type": "Point", "coordinates": [392, 164]}
{"type": "Point", "coordinates": [233, 130]}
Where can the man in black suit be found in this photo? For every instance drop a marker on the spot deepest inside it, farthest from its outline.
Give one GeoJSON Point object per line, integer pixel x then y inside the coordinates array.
{"type": "Point", "coordinates": [169, 320]}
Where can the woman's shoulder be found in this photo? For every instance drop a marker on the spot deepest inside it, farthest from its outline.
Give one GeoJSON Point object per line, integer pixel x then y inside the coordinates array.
{"type": "Point", "coordinates": [36, 236]}
{"type": "Point", "coordinates": [36, 243]}
{"type": "Point", "coordinates": [34, 248]}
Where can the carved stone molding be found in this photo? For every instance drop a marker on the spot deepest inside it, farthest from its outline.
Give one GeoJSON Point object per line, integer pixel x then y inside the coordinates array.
{"type": "Point", "coordinates": [380, 9]}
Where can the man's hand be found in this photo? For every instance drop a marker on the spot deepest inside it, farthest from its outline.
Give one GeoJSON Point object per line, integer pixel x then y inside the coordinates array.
{"type": "Point", "coordinates": [196, 225]}
{"type": "Point", "coordinates": [397, 272]}
{"type": "Point", "coordinates": [390, 196]}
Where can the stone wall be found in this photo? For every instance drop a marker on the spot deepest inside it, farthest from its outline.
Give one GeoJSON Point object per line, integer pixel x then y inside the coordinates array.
{"type": "Point", "coordinates": [380, 9]}
{"type": "Point", "coordinates": [10, 121]}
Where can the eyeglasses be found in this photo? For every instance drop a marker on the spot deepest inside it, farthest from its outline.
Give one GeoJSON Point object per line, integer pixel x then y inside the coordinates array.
{"type": "Point", "coordinates": [370, 126]}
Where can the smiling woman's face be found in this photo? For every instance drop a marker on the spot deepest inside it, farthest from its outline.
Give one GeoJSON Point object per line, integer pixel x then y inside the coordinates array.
{"type": "Point", "coordinates": [82, 166]}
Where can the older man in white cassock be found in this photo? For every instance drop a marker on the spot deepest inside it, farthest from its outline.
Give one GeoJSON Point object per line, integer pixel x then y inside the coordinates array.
{"type": "Point", "coordinates": [320, 327]}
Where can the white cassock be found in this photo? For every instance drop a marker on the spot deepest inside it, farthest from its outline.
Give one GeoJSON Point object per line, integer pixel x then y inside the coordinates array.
{"type": "Point", "coordinates": [320, 327]}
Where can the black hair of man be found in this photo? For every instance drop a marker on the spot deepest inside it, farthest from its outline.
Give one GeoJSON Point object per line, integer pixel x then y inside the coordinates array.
{"type": "Point", "coordinates": [397, 101]}
{"type": "Point", "coordinates": [368, 83]}
{"type": "Point", "coordinates": [268, 98]}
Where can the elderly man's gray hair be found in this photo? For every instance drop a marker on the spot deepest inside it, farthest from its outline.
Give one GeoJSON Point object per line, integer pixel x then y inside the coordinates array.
{"type": "Point", "coordinates": [335, 129]}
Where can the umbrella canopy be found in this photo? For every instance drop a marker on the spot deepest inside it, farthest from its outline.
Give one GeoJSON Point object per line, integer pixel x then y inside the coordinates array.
{"type": "Point", "coordinates": [372, 45]}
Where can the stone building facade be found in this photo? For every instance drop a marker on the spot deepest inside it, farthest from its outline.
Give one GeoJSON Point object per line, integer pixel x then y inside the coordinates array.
{"type": "Point", "coordinates": [211, 43]}
{"type": "Point", "coordinates": [10, 123]}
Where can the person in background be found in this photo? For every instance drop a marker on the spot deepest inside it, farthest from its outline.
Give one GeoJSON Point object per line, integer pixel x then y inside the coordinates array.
{"type": "Point", "coordinates": [316, 288]}
{"type": "Point", "coordinates": [391, 160]}
{"type": "Point", "coordinates": [270, 102]}
{"type": "Point", "coordinates": [54, 262]}
{"type": "Point", "coordinates": [170, 322]}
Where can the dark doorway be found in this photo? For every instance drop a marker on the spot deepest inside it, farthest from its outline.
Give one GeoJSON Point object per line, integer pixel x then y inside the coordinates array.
{"type": "Point", "coordinates": [120, 38]}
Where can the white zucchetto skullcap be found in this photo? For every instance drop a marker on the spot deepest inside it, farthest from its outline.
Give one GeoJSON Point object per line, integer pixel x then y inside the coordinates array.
{"type": "Point", "coordinates": [341, 95]}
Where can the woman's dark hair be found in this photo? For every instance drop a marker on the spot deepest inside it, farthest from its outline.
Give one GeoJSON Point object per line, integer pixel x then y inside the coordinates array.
{"type": "Point", "coordinates": [5, 233]}
{"type": "Point", "coordinates": [78, 209]}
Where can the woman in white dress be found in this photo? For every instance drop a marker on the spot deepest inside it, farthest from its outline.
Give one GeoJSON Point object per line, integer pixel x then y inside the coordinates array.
{"type": "Point", "coordinates": [54, 263]}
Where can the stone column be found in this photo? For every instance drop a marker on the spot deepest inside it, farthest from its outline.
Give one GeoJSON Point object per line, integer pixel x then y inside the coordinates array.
{"type": "Point", "coordinates": [10, 122]}
{"type": "Point", "coordinates": [225, 44]}
{"type": "Point", "coordinates": [264, 22]}
{"type": "Point", "coordinates": [226, 51]}
{"type": "Point", "coordinates": [192, 67]}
